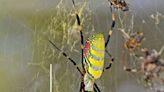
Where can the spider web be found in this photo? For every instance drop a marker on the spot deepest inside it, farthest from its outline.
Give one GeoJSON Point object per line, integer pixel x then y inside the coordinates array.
{"type": "Point", "coordinates": [25, 53]}
{"type": "Point", "coordinates": [125, 21]}
{"type": "Point", "coordinates": [63, 32]}
{"type": "Point", "coordinates": [146, 17]}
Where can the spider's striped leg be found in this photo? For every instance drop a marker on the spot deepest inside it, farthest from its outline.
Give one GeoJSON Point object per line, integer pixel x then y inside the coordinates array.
{"type": "Point", "coordinates": [96, 88]}
{"type": "Point", "coordinates": [64, 54]}
{"type": "Point", "coordinates": [82, 46]}
{"type": "Point", "coordinates": [111, 61]}
{"type": "Point", "coordinates": [81, 35]}
{"type": "Point", "coordinates": [74, 63]}
{"type": "Point", "coordinates": [82, 40]}
{"type": "Point", "coordinates": [112, 26]}
{"type": "Point", "coordinates": [110, 31]}
{"type": "Point", "coordinates": [110, 64]}
{"type": "Point", "coordinates": [109, 35]}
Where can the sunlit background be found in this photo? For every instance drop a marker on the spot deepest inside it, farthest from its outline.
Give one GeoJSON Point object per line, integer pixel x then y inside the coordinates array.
{"type": "Point", "coordinates": [25, 53]}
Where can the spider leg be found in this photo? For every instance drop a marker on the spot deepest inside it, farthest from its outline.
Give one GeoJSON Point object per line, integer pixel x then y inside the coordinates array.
{"type": "Point", "coordinates": [81, 35]}
{"type": "Point", "coordinates": [96, 87]}
{"type": "Point", "coordinates": [112, 26]}
{"type": "Point", "coordinates": [65, 55]}
{"type": "Point", "coordinates": [74, 63]}
{"type": "Point", "coordinates": [108, 53]}
{"type": "Point", "coordinates": [109, 35]}
{"type": "Point", "coordinates": [110, 64]}
{"type": "Point", "coordinates": [82, 86]}
{"type": "Point", "coordinates": [82, 46]}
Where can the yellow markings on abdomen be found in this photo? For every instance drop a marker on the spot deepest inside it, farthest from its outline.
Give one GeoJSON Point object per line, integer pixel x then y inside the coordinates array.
{"type": "Point", "coordinates": [95, 57]}
{"type": "Point", "coordinates": [96, 74]}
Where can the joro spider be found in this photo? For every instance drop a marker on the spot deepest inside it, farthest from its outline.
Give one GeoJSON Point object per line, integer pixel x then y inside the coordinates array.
{"type": "Point", "coordinates": [92, 56]}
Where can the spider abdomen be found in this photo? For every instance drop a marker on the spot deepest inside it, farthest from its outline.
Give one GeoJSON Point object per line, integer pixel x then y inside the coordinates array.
{"type": "Point", "coordinates": [94, 55]}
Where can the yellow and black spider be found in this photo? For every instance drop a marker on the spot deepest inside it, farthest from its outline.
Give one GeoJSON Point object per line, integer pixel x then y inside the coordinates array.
{"type": "Point", "coordinates": [92, 56]}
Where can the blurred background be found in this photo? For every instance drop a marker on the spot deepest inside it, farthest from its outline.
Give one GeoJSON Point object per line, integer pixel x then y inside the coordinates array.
{"type": "Point", "coordinates": [25, 53]}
